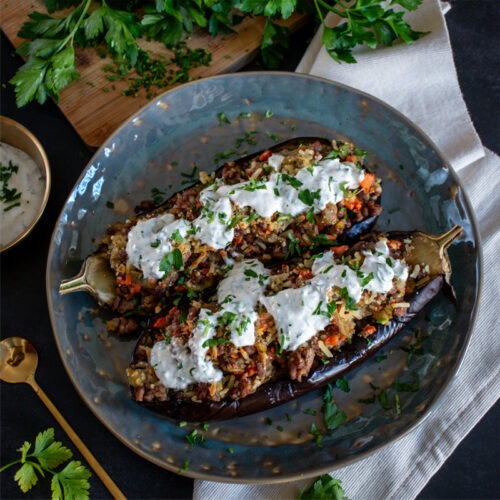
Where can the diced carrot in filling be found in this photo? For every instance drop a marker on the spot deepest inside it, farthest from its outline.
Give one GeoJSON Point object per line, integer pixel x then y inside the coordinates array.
{"type": "Point", "coordinates": [367, 182]}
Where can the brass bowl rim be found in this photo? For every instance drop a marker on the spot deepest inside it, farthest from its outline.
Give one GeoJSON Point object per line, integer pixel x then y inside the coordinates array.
{"type": "Point", "coordinates": [44, 168]}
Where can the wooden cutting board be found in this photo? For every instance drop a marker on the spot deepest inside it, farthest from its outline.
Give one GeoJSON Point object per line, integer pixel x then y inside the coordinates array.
{"type": "Point", "coordinates": [94, 108]}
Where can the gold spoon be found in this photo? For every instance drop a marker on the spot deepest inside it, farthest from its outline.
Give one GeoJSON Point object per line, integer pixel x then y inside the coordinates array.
{"type": "Point", "coordinates": [18, 362]}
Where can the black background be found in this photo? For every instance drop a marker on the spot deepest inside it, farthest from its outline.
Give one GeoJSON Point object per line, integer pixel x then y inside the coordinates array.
{"type": "Point", "coordinates": [472, 471]}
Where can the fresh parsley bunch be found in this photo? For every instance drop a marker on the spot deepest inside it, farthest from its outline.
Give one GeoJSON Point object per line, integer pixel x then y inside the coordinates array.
{"type": "Point", "coordinates": [46, 456]}
{"type": "Point", "coordinates": [117, 25]}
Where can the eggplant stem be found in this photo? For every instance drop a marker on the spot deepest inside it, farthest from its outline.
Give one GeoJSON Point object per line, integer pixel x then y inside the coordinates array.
{"type": "Point", "coordinates": [95, 277]}
{"type": "Point", "coordinates": [446, 239]}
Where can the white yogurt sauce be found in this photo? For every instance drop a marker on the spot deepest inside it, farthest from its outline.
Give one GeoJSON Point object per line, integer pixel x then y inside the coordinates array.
{"type": "Point", "coordinates": [238, 294]}
{"type": "Point", "coordinates": [178, 366]}
{"type": "Point", "coordinates": [30, 182]}
{"type": "Point", "coordinates": [212, 227]}
{"type": "Point", "coordinates": [311, 189]}
{"type": "Point", "coordinates": [149, 240]}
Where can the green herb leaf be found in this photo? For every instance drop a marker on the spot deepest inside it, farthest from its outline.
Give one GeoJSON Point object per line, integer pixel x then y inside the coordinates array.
{"type": "Point", "coordinates": [171, 260]}
{"type": "Point", "coordinates": [324, 488]}
{"type": "Point", "coordinates": [343, 384]}
{"type": "Point", "coordinates": [71, 482]}
{"type": "Point", "coordinates": [332, 416]}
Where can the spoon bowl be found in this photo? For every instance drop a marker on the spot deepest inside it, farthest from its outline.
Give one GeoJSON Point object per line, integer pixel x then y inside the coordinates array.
{"type": "Point", "coordinates": [18, 360]}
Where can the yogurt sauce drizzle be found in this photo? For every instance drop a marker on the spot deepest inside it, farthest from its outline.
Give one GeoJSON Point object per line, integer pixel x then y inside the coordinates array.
{"type": "Point", "coordinates": [311, 189]}
{"type": "Point", "coordinates": [299, 313]}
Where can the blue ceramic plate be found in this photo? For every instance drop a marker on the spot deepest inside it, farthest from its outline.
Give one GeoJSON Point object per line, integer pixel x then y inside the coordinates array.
{"type": "Point", "coordinates": [182, 128]}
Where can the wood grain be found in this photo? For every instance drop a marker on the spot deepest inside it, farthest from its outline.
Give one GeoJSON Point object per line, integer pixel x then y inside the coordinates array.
{"type": "Point", "coordinates": [94, 108]}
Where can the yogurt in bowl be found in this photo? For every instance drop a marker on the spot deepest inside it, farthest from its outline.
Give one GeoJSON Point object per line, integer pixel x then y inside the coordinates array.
{"type": "Point", "coordinates": [24, 182]}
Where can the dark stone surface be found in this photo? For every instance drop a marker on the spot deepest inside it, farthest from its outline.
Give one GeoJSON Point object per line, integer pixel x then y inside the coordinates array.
{"type": "Point", "coordinates": [471, 472]}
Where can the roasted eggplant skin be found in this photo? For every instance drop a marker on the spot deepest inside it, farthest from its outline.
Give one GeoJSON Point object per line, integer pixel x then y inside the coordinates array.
{"type": "Point", "coordinates": [279, 392]}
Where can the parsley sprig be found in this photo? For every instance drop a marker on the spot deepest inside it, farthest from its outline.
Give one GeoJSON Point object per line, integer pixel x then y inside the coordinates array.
{"type": "Point", "coordinates": [48, 454]}
{"type": "Point", "coordinates": [368, 22]}
{"type": "Point", "coordinates": [324, 487]}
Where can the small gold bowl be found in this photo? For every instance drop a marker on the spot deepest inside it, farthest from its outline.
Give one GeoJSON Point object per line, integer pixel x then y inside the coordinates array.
{"type": "Point", "coordinates": [18, 136]}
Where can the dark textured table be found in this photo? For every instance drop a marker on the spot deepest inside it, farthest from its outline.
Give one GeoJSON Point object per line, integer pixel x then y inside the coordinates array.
{"type": "Point", "coordinates": [471, 472]}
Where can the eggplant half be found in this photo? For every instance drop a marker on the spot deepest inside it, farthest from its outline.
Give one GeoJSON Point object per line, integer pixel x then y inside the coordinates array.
{"type": "Point", "coordinates": [188, 365]}
{"type": "Point", "coordinates": [261, 206]}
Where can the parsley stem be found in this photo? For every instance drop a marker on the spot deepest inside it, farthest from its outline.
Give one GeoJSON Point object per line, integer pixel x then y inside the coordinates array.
{"type": "Point", "coordinates": [329, 7]}
{"type": "Point", "coordinates": [6, 466]}
{"type": "Point", "coordinates": [72, 33]}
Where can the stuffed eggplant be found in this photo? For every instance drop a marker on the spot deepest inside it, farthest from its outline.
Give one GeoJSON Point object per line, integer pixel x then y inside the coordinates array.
{"type": "Point", "coordinates": [279, 203]}
{"type": "Point", "coordinates": [269, 335]}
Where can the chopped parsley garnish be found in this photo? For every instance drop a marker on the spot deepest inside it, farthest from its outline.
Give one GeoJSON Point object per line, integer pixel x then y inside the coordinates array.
{"type": "Point", "coordinates": [157, 195]}
{"type": "Point", "coordinates": [383, 400]}
{"type": "Point", "coordinates": [343, 384]}
{"type": "Point", "coordinates": [248, 137]}
{"type": "Point", "coordinates": [224, 155]}
{"type": "Point", "coordinates": [223, 119]}
{"type": "Point", "coordinates": [242, 327]}
{"type": "Point", "coordinates": [310, 216]}
{"type": "Point", "coordinates": [364, 280]}
{"type": "Point", "coordinates": [190, 177]}
{"type": "Point", "coordinates": [332, 416]}
{"type": "Point", "coordinates": [250, 218]}
{"type": "Point", "coordinates": [214, 342]}
{"type": "Point", "coordinates": [309, 411]}
{"type": "Point", "coordinates": [10, 196]}
{"type": "Point", "coordinates": [294, 247]}
{"type": "Point", "coordinates": [323, 239]}
{"type": "Point", "coordinates": [250, 273]}
{"type": "Point", "coordinates": [232, 223]}
{"type": "Point", "coordinates": [272, 136]}
{"type": "Point", "coordinates": [155, 243]}
{"type": "Point", "coordinates": [293, 181]}
{"type": "Point", "coordinates": [253, 185]}
{"type": "Point", "coordinates": [227, 318]}
{"type": "Point", "coordinates": [176, 236]}
{"type": "Point", "coordinates": [350, 303]}
{"type": "Point", "coordinates": [171, 260]}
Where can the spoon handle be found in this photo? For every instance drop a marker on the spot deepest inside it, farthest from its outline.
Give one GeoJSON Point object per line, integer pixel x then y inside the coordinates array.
{"type": "Point", "coordinates": [87, 454]}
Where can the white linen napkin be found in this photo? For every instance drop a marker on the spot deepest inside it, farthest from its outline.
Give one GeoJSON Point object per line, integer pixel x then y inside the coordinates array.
{"type": "Point", "coordinates": [395, 75]}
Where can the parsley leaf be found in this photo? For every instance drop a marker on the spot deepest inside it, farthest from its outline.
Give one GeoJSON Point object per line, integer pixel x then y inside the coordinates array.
{"type": "Point", "coordinates": [332, 416]}
{"type": "Point", "coordinates": [324, 487]}
{"type": "Point", "coordinates": [171, 260]}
